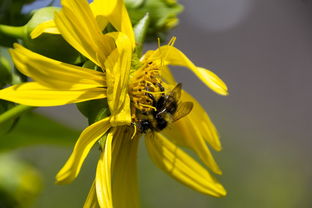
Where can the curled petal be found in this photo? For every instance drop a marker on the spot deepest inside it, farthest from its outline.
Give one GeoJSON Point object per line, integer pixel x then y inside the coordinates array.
{"type": "Point", "coordinates": [181, 166]}
{"type": "Point", "coordinates": [115, 12]}
{"type": "Point", "coordinates": [117, 72]}
{"type": "Point", "coordinates": [83, 145]}
{"type": "Point", "coordinates": [211, 80]}
{"type": "Point", "coordinates": [173, 56]}
{"type": "Point", "coordinates": [35, 94]}
{"type": "Point", "coordinates": [45, 27]}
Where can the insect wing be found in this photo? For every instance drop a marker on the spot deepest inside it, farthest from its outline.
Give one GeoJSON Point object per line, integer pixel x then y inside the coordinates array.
{"type": "Point", "coordinates": [183, 109]}
{"type": "Point", "coordinates": [176, 92]}
{"type": "Point", "coordinates": [170, 101]}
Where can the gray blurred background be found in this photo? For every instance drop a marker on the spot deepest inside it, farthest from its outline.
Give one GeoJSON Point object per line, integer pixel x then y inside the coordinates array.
{"type": "Point", "coordinates": [262, 49]}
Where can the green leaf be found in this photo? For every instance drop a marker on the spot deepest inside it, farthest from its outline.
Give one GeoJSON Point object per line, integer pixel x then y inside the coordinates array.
{"type": "Point", "coordinates": [133, 3]}
{"type": "Point", "coordinates": [140, 31]}
{"type": "Point", "coordinates": [34, 129]}
{"type": "Point", "coordinates": [20, 183]}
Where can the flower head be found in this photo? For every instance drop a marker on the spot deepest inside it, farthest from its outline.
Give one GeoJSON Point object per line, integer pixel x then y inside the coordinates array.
{"type": "Point", "coordinates": [143, 99]}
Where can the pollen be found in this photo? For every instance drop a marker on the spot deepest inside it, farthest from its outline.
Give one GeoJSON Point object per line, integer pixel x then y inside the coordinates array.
{"type": "Point", "coordinates": [145, 87]}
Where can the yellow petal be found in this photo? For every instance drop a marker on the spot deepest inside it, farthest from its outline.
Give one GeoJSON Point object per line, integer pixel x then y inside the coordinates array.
{"type": "Point", "coordinates": [34, 94]}
{"type": "Point", "coordinates": [101, 10]}
{"type": "Point", "coordinates": [83, 145]}
{"type": "Point", "coordinates": [125, 169]}
{"type": "Point", "coordinates": [200, 118]}
{"type": "Point", "coordinates": [181, 166]}
{"type": "Point", "coordinates": [117, 73]}
{"type": "Point", "coordinates": [211, 80]}
{"type": "Point", "coordinates": [116, 13]}
{"type": "Point", "coordinates": [185, 132]}
{"type": "Point", "coordinates": [45, 27]}
{"type": "Point", "coordinates": [79, 28]}
{"type": "Point", "coordinates": [55, 74]}
{"type": "Point", "coordinates": [91, 201]}
{"type": "Point", "coordinates": [104, 7]}
{"type": "Point", "coordinates": [104, 173]}
{"type": "Point", "coordinates": [173, 56]}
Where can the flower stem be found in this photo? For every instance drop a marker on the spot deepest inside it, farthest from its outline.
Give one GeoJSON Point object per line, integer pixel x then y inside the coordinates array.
{"type": "Point", "coordinates": [13, 31]}
{"type": "Point", "coordinates": [14, 112]}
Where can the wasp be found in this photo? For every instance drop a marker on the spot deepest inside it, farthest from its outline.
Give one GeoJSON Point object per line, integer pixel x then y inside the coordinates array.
{"type": "Point", "coordinates": [168, 109]}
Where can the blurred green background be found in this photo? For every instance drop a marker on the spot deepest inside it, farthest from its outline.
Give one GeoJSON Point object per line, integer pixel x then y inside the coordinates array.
{"type": "Point", "coordinates": [262, 50]}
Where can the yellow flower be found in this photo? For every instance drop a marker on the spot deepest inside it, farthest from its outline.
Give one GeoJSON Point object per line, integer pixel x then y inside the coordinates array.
{"type": "Point", "coordinates": [133, 93]}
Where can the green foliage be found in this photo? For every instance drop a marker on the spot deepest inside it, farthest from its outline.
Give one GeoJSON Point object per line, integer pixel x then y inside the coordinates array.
{"type": "Point", "coordinates": [163, 15]}
{"type": "Point", "coordinates": [36, 129]}
{"type": "Point", "coordinates": [20, 183]}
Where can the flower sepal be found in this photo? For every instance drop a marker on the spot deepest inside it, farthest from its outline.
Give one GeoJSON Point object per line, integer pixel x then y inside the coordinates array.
{"type": "Point", "coordinates": [94, 110]}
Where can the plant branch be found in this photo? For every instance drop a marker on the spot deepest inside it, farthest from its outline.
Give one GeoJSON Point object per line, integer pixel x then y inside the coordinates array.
{"type": "Point", "coordinates": [13, 31]}
{"type": "Point", "coordinates": [14, 112]}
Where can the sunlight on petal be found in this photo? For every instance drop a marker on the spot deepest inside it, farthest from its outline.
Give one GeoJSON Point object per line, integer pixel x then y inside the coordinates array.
{"type": "Point", "coordinates": [55, 74]}
{"type": "Point", "coordinates": [79, 28]}
{"type": "Point", "coordinates": [83, 145]}
{"type": "Point", "coordinates": [34, 94]}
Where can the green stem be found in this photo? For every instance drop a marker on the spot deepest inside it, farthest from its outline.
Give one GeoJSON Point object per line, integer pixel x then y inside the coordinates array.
{"type": "Point", "coordinates": [14, 112]}
{"type": "Point", "coordinates": [13, 31]}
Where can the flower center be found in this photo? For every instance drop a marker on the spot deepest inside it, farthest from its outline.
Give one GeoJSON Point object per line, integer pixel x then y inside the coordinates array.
{"type": "Point", "coordinates": [145, 88]}
{"type": "Point", "coordinates": [148, 95]}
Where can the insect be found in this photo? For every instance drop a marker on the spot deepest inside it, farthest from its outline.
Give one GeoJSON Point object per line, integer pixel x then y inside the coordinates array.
{"type": "Point", "coordinates": [168, 110]}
